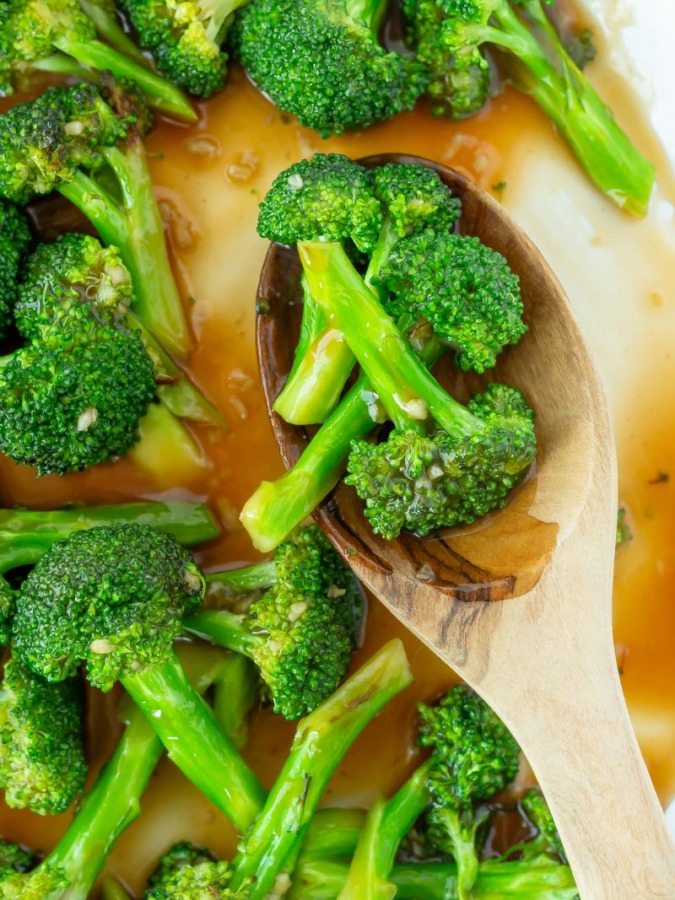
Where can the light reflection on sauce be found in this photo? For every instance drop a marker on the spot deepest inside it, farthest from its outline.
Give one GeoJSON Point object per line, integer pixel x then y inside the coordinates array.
{"type": "Point", "coordinates": [210, 181]}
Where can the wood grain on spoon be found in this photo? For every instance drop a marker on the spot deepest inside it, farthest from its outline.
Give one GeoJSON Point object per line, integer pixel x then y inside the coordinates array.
{"type": "Point", "coordinates": [545, 659]}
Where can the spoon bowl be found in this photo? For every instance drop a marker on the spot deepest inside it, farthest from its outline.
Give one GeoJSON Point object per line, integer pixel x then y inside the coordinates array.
{"type": "Point", "coordinates": [545, 659]}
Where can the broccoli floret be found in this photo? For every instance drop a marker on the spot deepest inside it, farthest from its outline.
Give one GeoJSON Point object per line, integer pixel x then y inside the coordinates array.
{"type": "Point", "coordinates": [15, 241]}
{"type": "Point", "coordinates": [463, 288]}
{"type": "Point", "coordinates": [43, 882]}
{"type": "Point", "coordinates": [15, 858]}
{"type": "Point", "coordinates": [547, 840]}
{"type": "Point", "coordinates": [113, 598]}
{"type": "Point", "coordinates": [75, 140]}
{"type": "Point", "coordinates": [321, 61]}
{"type": "Point", "coordinates": [74, 398]}
{"type": "Point", "coordinates": [7, 609]}
{"type": "Point", "coordinates": [42, 764]}
{"type": "Point", "coordinates": [302, 630]}
{"type": "Point", "coordinates": [187, 872]}
{"type": "Point", "coordinates": [409, 196]}
{"type": "Point", "coordinates": [76, 278]}
{"type": "Point", "coordinates": [186, 39]}
{"type": "Point", "coordinates": [59, 36]}
{"type": "Point", "coordinates": [449, 37]}
{"type": "Point", "coordinates": [444, 463]}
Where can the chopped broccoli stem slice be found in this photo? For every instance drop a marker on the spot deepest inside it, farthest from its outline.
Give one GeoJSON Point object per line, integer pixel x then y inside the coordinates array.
{"type": "Point", "coordinates": [321, 740]}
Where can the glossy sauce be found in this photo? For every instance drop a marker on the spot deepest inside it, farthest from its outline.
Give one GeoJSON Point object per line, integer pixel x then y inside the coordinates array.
{"type": "Point", "coordinates": [210, 180]}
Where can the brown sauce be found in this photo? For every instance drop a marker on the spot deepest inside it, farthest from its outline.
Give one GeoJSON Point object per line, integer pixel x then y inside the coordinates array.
{"type": "Point", "coordinates": [210, 180]}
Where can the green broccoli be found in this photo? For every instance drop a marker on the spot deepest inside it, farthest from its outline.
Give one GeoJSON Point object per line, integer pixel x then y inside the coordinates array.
{"type": "Point", "coordinates": [59, 36]}
{"type": "Point", "coordinates": [42, 764]}
{"type": "Point", "coordinates": [321, 60]}
{"type": "Point", "coordinates": [402, 198]}
{"type": "Point", "coordinates": [301, 632]}
{"type": "Point", "coordinates": [448, 36]}
{"type": "Point", "coordinates": [444, 463]}
{"type": "Point", "coordinates": [111, 889]}
{"type": "Point", "coordinates": [15, 242]}
{"type": "Point", "coordinates": [185, 39]}
{"type": "Point", "coordinates": [187, 872]}
{"type": "Point", "coordinates": [75, 140]}
{"type": "Point", "coordinates": [116, 597]}
{"type": "Point", "coordinates": [15, 858]}
{"type": "Point", "coordinates": [321, 740]}
{"type": "Point", "coordinates": [77, 278]}
{"type": "Point", "coordinates": [113, 802]}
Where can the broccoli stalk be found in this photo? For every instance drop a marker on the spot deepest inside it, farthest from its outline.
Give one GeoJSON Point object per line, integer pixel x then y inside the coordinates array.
{"type": "Point", "coordinates": [103, 14]}
{"type": "Point", "coordinates": [117, 596]}
{"type": "Point", "coordinates": [111, 889]}
{"type": "Point", "coordinates": [73, 139]}
{"type": "Point", "coordinates": [302, 630]}
{"type": "Point", "coordinates": [113, 802]}
{"type": "Point", "coordinates": [185, 39]}
{"type": "Point", "coordinates": [419, 479]}
{"type": "Point", "coordinates": [447, 33]}
{"type": "Point", "coordinates": [321, 61]}
{"type": "Point", "coordinates": [277, 507]}
{"type": "Point", "coordinates": [15, 241]}
{"type": "Point", "coordinates": [34, 34]}
{"type": "Point", "coordinates": [321, 740]}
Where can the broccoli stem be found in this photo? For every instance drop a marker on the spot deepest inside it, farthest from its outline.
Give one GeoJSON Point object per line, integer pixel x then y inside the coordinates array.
{"type": "Point", "coordinates": [195, 741]}
{"type": "Point", "coordinates": [386, 825]}
{"type": "Point", "coordinates": [277, 507]}
{"type": "Point", "coordinates": [161, 94]}
{"type": "Point", "coordinates": [222, 627]}
{"type": "Point", "coordinates": [235, 695]}
{"type": "Point", "coordinates": [25, 535]}
{"type": "Point", "coordinates": [219, 12]}
{"type": "Point", "coordinates": [160, 428]}
{"type": "Point", "coordinates": [372, 12]}
{"type": "Point", "coordinates": [113, 802]}
{"type": "Point", "coordinates": [257, 577]}
{"type": "Point", "coordinates": [321, 740]}
{"type": "Point", "coordinates": [113, 890]}
{"type": "Point", "coordinates": [408, 391]}
{"type": "Point", "coordinates": [108, 26]}
{"type": "Point", "coordinates": [586, 123]}
{"type": "Point", "coordinates": [136, 229]}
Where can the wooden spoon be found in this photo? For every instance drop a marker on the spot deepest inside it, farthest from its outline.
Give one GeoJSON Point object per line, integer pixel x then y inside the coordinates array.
{"type": "Point", "coordinates": [544, 660]}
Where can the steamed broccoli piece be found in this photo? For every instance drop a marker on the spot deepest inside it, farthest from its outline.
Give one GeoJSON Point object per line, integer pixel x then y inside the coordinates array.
{"type": "Point", "coordinates": [15, 242]}
{"type": "Point", "coordinates": [42, 764]}
{"type": "Point", "coordinates": [301, 632]}
{"type": "Point", "coordinates": [15, 858]}
{"type": "Point", "coordinates": [7, 610]}
{"type": "Point", "coordinates": [403, 198]}
{"type": "Point", "coordinates": [85, 142]}
{"type": "Point", "coordinates": [74, 398]}
{"type": "Point", "coordinates": [321, 740]}
{"type": "Point", "coordinates": [49, 35]}
{"type": "Point", "coordinates": [187, 872]}
{"type": "Point", "coordinates": [464, 289]}
{"type": "Point", "coordinates": [114, 800]}
{"type": "Point", "coordinates": [444, 463]}
{"type": "Point", "coordinates": [105, 16]}
{"type": "Point", "coordinates": [321, 61]}
{"type": "Point", "coordinates": [185, 39]}
{"type": "Point", "coordinates": [448, 36]}
{"type": "Point", "coordinates": [111, 889]}
{"type": "Point", "coordinates": [114, 598]}
{"type": "Point", "coordinates": [76, 278]}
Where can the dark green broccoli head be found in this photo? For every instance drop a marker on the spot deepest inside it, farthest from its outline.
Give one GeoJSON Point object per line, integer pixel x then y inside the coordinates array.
{"type": "Point", "coordinates": [31, 30]}
{"type": "Point", "coordinates": [424, 482]}
{"type": "Point", "coordinates": [7, 607]}
{"type": "Point", "coordinates": [42, 764]}
{"type": "Point", "coordinates": [187, 872]}
{"type": "Point", "coordinates": [15, 241]}
{"type": "Point", "coordinates": [463, 288]}
{"type": "Point", "coordinates": [547, 840]}
{"type": "Point", "coordinates": [412, 196]}
{"type": "Point", "coordinates": [304, 626]}
{"type": "Point", "coordinates": [14, 858]}
{"type": "Point", "coordinates": [75, 398]}
{"type": "Point", "coordinates": [328, 196]}
{"type": "Point", "coordinates": [440, 33]}
{"type": "Point", "coordinates": [324, 66]}
{"type": "Point", "coordinates": [110, 597]}
{"type": "Point", "coordinates": [185, 39]}
{"type": "Point", "coordinates": [73, 278]}
{"type": "Point", "coordinates": [44, 141]}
